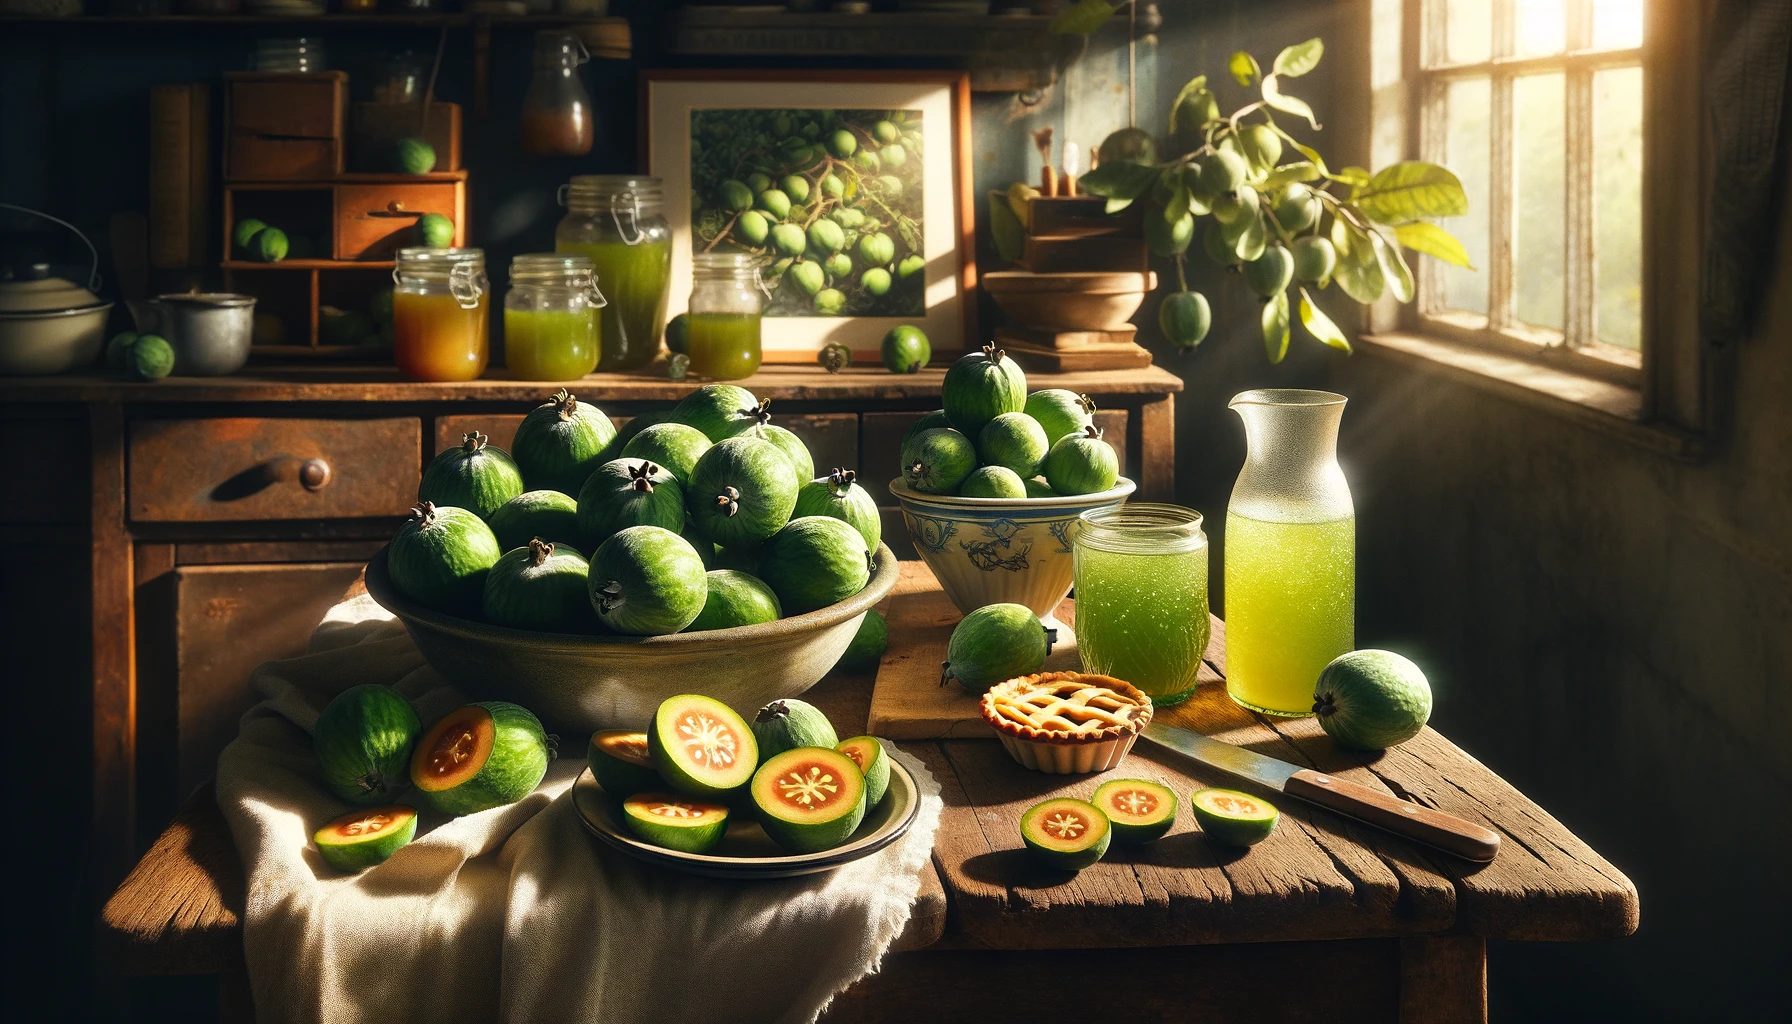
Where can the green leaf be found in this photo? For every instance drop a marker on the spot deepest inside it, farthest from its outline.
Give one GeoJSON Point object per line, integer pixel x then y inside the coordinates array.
{"type": "Point", "coordinates": [1393, 267]}
{"type": "Point", "coordinates": [1319, 325]}
{"type": "Point", "coordinates": [1272, 95]}
{"type": "Point", "coordinates": [1115, 205]}
{"type": "Point", "coordinates": [1195, 86]}
{"type": "Point", "coordinates": [1250, 242]}
{"type": "Point", "coordinates": [1352, 244]}
{"type": "Point", "coordinates": [1409, 191]}
{"type": "Point", "coordinates": [1082, 18]}
{"type": "Point", "coordinates": [1354, 176]}
{"type": "Point", "coordinates": [911, 235]}
{"type": "Point", "coordinates": [1360, 281]}
{"type": "Point", "coordinates": [1244, 68]}
{"type": "Point", "coordinates": [1005, 229]}
{"type": "Point", "coordinates": [1275, 327]}
{"type": "Point", "coordinates": [1297, 60]}
{"type": "Point", "coordinates": [1300, 170]}
{"type": "Point", "coordinates": [1303, 149]}
{"type": "Point", "coordinates": [1433, 241]}
{"type": "Point", "coordinates": [1120, 179]}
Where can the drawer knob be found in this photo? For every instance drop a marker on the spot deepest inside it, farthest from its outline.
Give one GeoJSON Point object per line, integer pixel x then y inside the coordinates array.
{"type": "Point", "coordinates": [314, 474]}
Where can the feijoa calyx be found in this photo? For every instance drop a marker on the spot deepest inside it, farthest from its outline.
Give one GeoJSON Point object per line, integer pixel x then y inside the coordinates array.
{"type": "Point", "coordinates": [560, 442]}
{"type": "Point", "coordinates": [742, 491]}
{"type": "Point", "coordinates": [476, 476]}
{"type": "Point", "coordinates": [624, 493]}
{"type": "Point", "coordinates": [994, 643]}
{"type": "Point", "coordinates": [441, 556]}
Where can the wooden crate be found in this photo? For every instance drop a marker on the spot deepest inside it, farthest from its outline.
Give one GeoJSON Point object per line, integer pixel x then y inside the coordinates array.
{"type": "Point", "coordinates": [285, 127]}
{"type": "Point", "coordinates": [375, 128]}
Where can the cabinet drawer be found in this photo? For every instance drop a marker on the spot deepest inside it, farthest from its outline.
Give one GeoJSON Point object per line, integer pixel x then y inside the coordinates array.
{"type": "Point", "coordinates": [374, 221]}
{"type": "Point", "coordinates": [262, 468]}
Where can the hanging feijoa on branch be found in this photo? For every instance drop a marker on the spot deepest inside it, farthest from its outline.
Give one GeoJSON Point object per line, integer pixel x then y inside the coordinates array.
{"type": "Point", "coordinates": [1267, 205]}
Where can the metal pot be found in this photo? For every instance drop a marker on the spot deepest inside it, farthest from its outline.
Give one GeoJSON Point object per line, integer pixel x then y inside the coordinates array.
{"type": "Point", "coordinates": [210, 332]}
{"type": "Point", "coordinates": [50, 324]}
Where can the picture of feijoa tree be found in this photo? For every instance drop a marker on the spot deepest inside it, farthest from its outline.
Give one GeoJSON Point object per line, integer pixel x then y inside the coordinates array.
{"type": "Point", "coordinates": [831, 199]}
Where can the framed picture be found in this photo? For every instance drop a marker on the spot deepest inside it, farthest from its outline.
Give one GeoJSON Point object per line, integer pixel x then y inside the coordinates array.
{"type": "Point", "coordinates": [860, 210]}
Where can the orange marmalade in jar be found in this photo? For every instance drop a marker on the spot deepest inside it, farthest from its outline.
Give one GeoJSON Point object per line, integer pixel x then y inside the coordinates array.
{"type": "Point", "coordinates": [440, 301]}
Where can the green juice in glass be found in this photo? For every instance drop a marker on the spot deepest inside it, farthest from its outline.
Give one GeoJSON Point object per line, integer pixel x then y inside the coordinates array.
{"type": "Point", "coordinates": [724, 346]}
{"type": "Point", "coordinates": [550, 344]}
{"type": "Point", "coordinates": [1290, 608]}
{"type": "Point", "coordinates": [1141, 597]}
{"type": "Point", "coordinates": [636, 279]}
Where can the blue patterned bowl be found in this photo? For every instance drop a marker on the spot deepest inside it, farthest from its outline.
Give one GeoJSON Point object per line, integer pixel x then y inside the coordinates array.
{"type": "Point", "coordinates": [995, 550]}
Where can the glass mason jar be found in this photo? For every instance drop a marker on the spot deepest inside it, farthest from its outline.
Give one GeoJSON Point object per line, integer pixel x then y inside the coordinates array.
{"type": "Point", "coordinates": [620, 223]}
{"type": "Point", "coordinates": [550, 317]}
{"type": "Point", "coordinates": [723, 333]}
{"type": "Point", "coordinates": [1141, 596]}
{"type": "Point", "coordinates": [557, 117]}
{"type": "Point", "coordinates": [440, 299]}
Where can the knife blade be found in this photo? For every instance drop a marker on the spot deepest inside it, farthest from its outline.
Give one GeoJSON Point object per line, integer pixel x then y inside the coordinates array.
{"type": "Point", "coordinates": [1434, 828]}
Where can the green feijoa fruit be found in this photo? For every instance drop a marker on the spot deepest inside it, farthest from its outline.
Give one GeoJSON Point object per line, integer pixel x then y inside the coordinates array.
{"type": "Point", "coordinates": [793, 448]}
{"type": "Point", "coordinates": [414, 155]}
{"type": "Point", "coordinates": [874, 764]}
{"type": "Point", "coordinates": [809, 799]}
{"type": "Point", "coordinates": [243, 234]}
{"type": "Point", "coordinates": [624, 493]}
{"type": "Point", "coordinates": [675, 822]}
{"type": "Point", "coordinates": [934, 420]}
{"type": "Point", "coordinates": [833, 186]}
{"type": "Point", "coordinates": [1372, 700]}
{"type": "Point", "coordinates": [1223, 172]}
{"type": "Point", "coordinates": [1038, 488]}
{"type": "Point", "coordinates": [994, 643]}
{"type": "Point", "coordinates": [790, 723]}
{"type": "Point", "coordinates": [1140, 811]}
{"type": "Point", "coordinates": [868, 645]}
{"type": "Point", "coordinates": [839, 266]}
{"type": "Point", "coordinates": [981, 386]}
{"type": "Point", "coordinates": [893, 155]}
{"type": "Point", "coordinates": [842, 144]}
{"type": "Point", "coordinates": [719, 410]}
{"type": "Point", "coordinates": [1232, 818]}
{"type": "Point", "coordinates": [1013, 441]}
{"type": "Point", "coordinates": [839, 496]}
{"type": "Point", "coordinates": [789, 239]}
{"type": "Point", "coordinates": [876, 248]}
{"type": "Point", "coordinates": [752, 228]}
{"type": "Point", "coordinates": [1271, 272]}
{"type": "Point", "coordinates": [830, 301]}
{"type": "Point", "coordinates": [735, 195]}
{"type": "Point", "coordinates": [1059, 413]}
{"type": "Point", "coordinates": [363, 743]}
{"type": "Point", "coordinates": [910, 267]}
{"type": "Point", "coordinates": [1065, 833]}
{"type": "Point", "coordinates": [825, 236]}
{"type": "Point", "coordinates": [848, 218]}
{"type": "Point", "coordinates": [735, 598]}
{"type": "Point", "coordinates": [868, 162]}
{"type": "Point", "coordinates": [632, 426]}
{"type": "Point", "coordinates": [742, 492]}
{"type": "Point", "coordinates": [477, 476]}
{"type": "Point", "coordinates": [1184, 318]}
{"type": "Point", "coordinates": [619, 762]}
{"type": "Point", "coordinates": [1261, 145]}
{"type": "Point", "coordinates": [271, 245]}
{"type": "Point", "coordinates": [808, 276]}
{"type": "Point", "coordinates": [1082, 464]}
{"type": "Point", "coordinates": [885, 132]}
{"type": "Point", "coordinates": [480, 756]}
{"type": "Point", "coordinates": [118, 351]}
{"type": "Point", "coordinates": [1314, 258]}
{"type": "Point", "coordinates": [936, 461]}
{"type": "Point", "coordinates": [875, 281]}
{"type": "Point", "coordinates": [360, 839]}
{"type": "Point", "coordinates": [440, 558]}
{"type": "Point", "coordinates": [1233, 207]}
{"type": "Point", "coordinates": [758, 182]}
{"type": "Point", "coordinates": [549, 515]}
{"type": "Point", "coordinates": [674, 447]}
{"type": "Point", "coordinates": [796, 187]}
{"type": "Point", "coordinates": [814, 562]}
{"type": "Point", "coordinates": [435, 231]}
{"type": "Point", "coordinates": [1128, 145]}
{"type": "Point", "coordinates": [544, 586]}
{"type": "Point", "coordinates": [905, 349]}
{"type": "Point", "coordinates": [700, 746]}
{"type": "Point", "coordinates": [647, 581]}
{"type": "Point", "coordinates": [151, 357]}
{"type": "Point", "coordinates": [1296, 207]}
{"type": "Point", "coordinates": [993, 482]}
{"type": "Point", "coordinates": [1218, 249]}
{"type": "Point", "coordinates": [1167, 236]}
{"type": "Point", "coordinates": [775, 203]}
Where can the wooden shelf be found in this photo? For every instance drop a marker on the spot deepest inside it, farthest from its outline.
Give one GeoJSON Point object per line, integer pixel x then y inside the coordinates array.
{"type": "Point", "coordinates": [322, 21]}
{"type": "Point", "coordinates": [308, 265]}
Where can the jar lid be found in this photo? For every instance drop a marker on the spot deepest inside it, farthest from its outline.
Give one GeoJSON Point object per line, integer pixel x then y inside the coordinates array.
{"type": "Point", "coordinates": [724, 262]}
{"type": "Point", "coordinates": [35, 291]}
{"type": "Point", "coordinates": [609, 186]}
{"type": "Point", "coordinates": [422, 257]}
{"type": "Point", "coordinates": [552, 265]}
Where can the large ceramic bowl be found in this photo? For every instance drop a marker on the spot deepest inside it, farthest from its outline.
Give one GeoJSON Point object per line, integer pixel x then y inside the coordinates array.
{"type": "Point", "coordinates": [577, 684]}
{"type": "Point", "coordinates": [996, 550]}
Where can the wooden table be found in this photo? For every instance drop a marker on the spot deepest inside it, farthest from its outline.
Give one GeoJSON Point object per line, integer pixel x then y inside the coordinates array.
{"type": "Point", "coordinates": [1326, 921]}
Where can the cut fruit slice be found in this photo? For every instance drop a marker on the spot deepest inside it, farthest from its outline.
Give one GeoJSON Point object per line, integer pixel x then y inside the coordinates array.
{"type": "Point", "coordinates": [360, 839]}
{"type": "Point", "coordinates": [1233, 818]}
{"type": "Point", "coordinates": [675, 822]}
{"type": "Point", "coordinates": [619, 761]}
{"type": "Point", "coordinates": [700, 746]}
{"type": "Point", "coordinates": [1139, 811]}
{"type": "Point", "coordinates": [1066, 833]}
{"type": "Point", "coordinates": [810, 799]}
{"type": "Point", "coordinates": [480, 756]}
{"type": "Point", "coordinates": [868, 753]}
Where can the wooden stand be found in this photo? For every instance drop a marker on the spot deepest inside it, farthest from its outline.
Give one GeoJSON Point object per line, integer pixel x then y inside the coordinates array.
{"type": "Point", "coordinates": [1065, 351]}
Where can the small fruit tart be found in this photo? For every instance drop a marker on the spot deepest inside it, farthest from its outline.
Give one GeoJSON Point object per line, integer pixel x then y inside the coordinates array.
{"type": "Point", "coordinates": [1067, 723]}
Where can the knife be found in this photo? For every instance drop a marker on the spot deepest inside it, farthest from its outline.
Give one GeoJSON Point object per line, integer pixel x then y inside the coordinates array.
{"type": "Point", "coordinates": [1436, 829]}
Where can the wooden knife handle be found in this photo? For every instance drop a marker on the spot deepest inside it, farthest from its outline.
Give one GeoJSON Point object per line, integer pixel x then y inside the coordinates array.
{"type": "Point", "coordinates": [1446, 832]}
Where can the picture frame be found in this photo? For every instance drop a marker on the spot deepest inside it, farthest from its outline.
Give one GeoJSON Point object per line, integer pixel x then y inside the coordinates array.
{"type": "Point", "coordinates": [925, 198]}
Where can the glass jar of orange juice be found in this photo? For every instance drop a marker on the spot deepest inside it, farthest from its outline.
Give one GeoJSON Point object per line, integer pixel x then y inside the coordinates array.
{"type": "Point", "coordinates": [551, 327]}
{"type": "Point", "coordinates": [440, 302]}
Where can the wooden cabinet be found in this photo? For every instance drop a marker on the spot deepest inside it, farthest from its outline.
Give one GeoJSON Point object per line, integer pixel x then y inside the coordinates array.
{"type": "Point", "coordinates": [282, 127]}
{"type": "Point", "coordinates": [374, 221]}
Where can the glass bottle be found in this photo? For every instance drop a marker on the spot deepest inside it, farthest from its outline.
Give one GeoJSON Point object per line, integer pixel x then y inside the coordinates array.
{"type": "Point", "coordinates": [1290, 552]}
{"type": "Point", "coordinates": [620, 222]}
{"type": "Point", "coordinates": [440, 299]}
{"type": "Point", "coordinates": [550, 317]}
{"type": "Point", "coordinates": [723, 333]}
{"type": "Point", "coordinates": [557, 118]}
{"type": "Point", "coordinates": [1141, 596]}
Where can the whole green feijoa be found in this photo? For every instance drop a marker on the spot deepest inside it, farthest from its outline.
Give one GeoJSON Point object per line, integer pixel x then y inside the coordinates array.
{"type": "Point", "coordinates": [937, 461]}
{"type": "Point", "coordinates": [1038, 488]}
{"type": "Point", "coordinates": [1372, 700]}
{"type": "Point", "coordinates": [1271, 272]}
{"type": "Point", "coordinates": [796, 187]}
{"type": "Point", "coordinates": [1296, 207]}
{"type": "Point", "coordinates": [1236, 206]}
{"type": "Point", "coordinates": [814, 562]}
{"type": "Point", "coordinates": [877, 248]}
{"type": "Point", "coordinates": [868, 162]}
{"type": "Point", "coordinates": [905, 349]}
{"type": "Point", "coordinates": [435, 231]}
{"type": "Point", "coordinates": [544, 586]}
{"type": "Point", "coordinates": [440, 557]}
{"type": "Point", "coordinates": [793, 448]}
{"type": "Point", "coordinates": [549, 515]}
{"type": "Point", "coordinates": [1014, 441]}
{"type": "Point", "coordinates": [981, 386]}
{"type": "Point", "coordinates": [842, 144]}
{"type": "Point", "coordinates": [993, 643]}
{"type": "Point", "coordinates": [893, 155]}
{"type": "Point", "coordinates": [476, 476]}
{"type": "Point", "coordinates": [118, 351]}
{"type": "Point", "coordinates": [825, 236]}
{"type": "Point", "coordinates": [742, 492]}
{"type": "Point", "coordinates": [647, 581]}
{"type": "Point", "coordinates": [735, 195]}
{"type": "Point", "coordinates": [363, 742]}
{"type": "Point", "coordinates": [885, 132]}
{"type": "Point", "coordinates": [992, 482]}
{"type": "Point", "coordinates": [1082, 464]}
{"type": "Point", "coordinates": [634, 425]}
{"type": "Point", "coordinates": [789, 239]}
{"type": "Point", "coordinates": [839, 496]}
{"type": "Point", "coordinates": [271, 245]}
{"type": "Point", "coordinates": [678, 333]}
{"type": "Point", "coordinates": [752, 228]}
{"type": "Point", "coordinates": [1223, 172]}
{"type": "Point", "coordinates": [875, 281]}
{"type": "Point", "coordinates": [674, 447]}
{"type": "Point", "coordinates": [735, 598]}
{"type": "Point", "coordinates": [560, 442]}
{"type": "Point", "coordinates": [932, 421]}
{"type": "Point", "coordinates": [1184, 317]}
{"type": "Point", "coordinates": [1167, 236]}
{"type": "Point", "coordinates": [774, 202]}
{"type": "Point", "coordinates": [414, 155]}
{"type": "Point", "coordinates": [910, 267]}
{"type": "Point", "coordinates": [151, 357]}
{"type": "Point", "coordinates": [1059, 413]}
{"type": "Point", "coordinates": [830, 301]}
{"type": "Point", "coordinates": [719, 410]}
{"type": "Point", "coordinates": [243, 234]}
{"type": "Point", "coordinates": [624, 493]}
{"type": "Point", "coordinates": [838, 265]}
{"type": "Point", "coordinates": [868, 645]}
{"type": "Point", "coordinates": [1261, 145]}
{"type": "Point", "coordinates": [808, 276]}
{"type": "Point", "coordinates": [758, 182]}
{"type": "Point", "coordinates": [1218, 249]}
{"type": "Point", "coordinates": [832, 186]}
{"type": "Point", "coordinates": [1314, 258]}
{"type": "Point", "coordinates": [790, 723]}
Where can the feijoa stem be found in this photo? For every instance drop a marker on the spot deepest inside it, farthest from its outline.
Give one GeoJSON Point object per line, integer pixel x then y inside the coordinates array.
{"type": "Point", "coordinates": [425, 514]}
{"type": "Point", "coordinates": [776, 709]}
{"type": "Point", "coordinates": [565, 404]}
{"type": "Point", "coordinates": [539, 550]}
{"type": "Point", "coordinates": [640, 477]}
{"type": "Point", "coordinates": [992, 353]}
{"type": "Point", "coordinates": [1087, 403]}
{"type": "Point", "coordinates": [471, 443]}
{"type": "Point", "coordinates": [728, 501]}
{"type": "Point", "coordinates": [761, 413]}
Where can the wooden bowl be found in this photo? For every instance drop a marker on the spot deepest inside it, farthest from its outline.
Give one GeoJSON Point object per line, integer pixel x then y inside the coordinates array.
{"type": "Point", "coordinates": [577, 684]}
{"type": "Point", "coordinates": [1069, 300]}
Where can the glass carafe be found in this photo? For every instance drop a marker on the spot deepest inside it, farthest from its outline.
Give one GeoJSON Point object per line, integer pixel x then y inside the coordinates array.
{"type": "Point", "coordinates": [620, 222]}
{"type": "Point", "coordinates": [557, 118]}
{"type": "Point", "coordinates": [1290, 552]}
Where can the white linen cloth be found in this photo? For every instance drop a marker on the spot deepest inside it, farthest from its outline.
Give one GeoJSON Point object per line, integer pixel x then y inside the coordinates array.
{"type": "Point", "coordinates": [516, 913]}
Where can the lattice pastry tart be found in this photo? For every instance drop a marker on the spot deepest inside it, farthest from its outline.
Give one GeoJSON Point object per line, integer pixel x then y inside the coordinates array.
{"type": "Point", "coordinates": [1066, 722]}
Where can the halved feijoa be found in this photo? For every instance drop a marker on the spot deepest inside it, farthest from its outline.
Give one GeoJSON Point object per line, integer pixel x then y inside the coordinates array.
{"type": "Point", "coordinates": [619, 762]}
{"type": "Point", "coordinates": [735, 598]}
{"type": "Point", "coordinates": [1066, 833]}
{"type": "Point", "coordinates": [809, 799]}
{"type": "Point", "coordinates": [480, 756]}
{"type": "Point", "coordinates": [700, 746]}
{"type": "Point", "coordinates": [1140, 811]}
{"type": "Point", "coordinates": [646, 581]}
{"type": "Point", "coordinates": [742, 491]}
{"type": "Point", "coordinates": [360, 839]}
{"type": "Point", "coordinates": [440, 558]}
{"type": "Point", "coordinates": [719, 410]}
{"type": "Point", "coordinates": [874, 763]}
{"type": "Point", "coordinates": [628, 492]}
{"type": "Point", "coordinates": [477, 476]}
{"type": "Point", "coordinates": [363, 742]}
{"type": "Point", "coordinates": [675, 822]}
{"type": "Point", "coordinates": [560, 442]}
{"type": "Point", "coordinates": [549, 515]}
{"type": "Point", "coordinates": [1233, 818]}
{"type": "Point", "coordinates": [674, 446]}
{"type": "Point", "coordinates": [543, 587]}
{"type": "Point", "coordinates": [790, 723]}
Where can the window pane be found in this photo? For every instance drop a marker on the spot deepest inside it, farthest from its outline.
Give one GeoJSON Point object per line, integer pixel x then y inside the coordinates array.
{"type": "Point", "coordinates": [1537, 200]}
{"type": "Point", "coordinates": [1618, 206]}
{"type": "Point", "coordinates": [1542, 27]}
{"type": "Point", "coordinates": [1468, 30]}
{"type": "Point", "coordinates": [1466, 151]}
{"type": "Point", "coordinates": [1617, 24]}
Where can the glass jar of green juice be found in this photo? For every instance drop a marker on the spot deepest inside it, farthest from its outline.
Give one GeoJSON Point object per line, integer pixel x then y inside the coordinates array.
{"type": "Point", "coordinates": [620, 223]}
{"type": "Point", "coordinates": [1141, 596]}
{"type": "Point", "coordinates": [723, 335]}
{"type": "Point", "coordinates": [551, 312]}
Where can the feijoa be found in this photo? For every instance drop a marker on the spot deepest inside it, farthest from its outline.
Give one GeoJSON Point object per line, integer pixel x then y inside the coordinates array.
{"type": "Point", "coordinates": [543, 586]}
{"type": "Point", "coordinates": [839, 496]}
{"type": "Point", "coordinates": [624, 493]}
{"type": "Point", "coordinates": [700, 746]}
{"type": "Point", "coordinates": [1184, 318]}
{"type": "Point", "coordinates": [814, 562]}
{"type": "Point", "coordinates": [994, 643]}
{"type": "Point", "coordinates": [363, 742]}
{"type": "Point", "coordinates": [1314, 258]}
{"type": "Point", "coordinates": [1014, 441]}
{"type": "Point", "coordinates": [1082, 464]}
{"type": "Point", "coordinates": [735, 598]}
{"type": "Point", "coordinates": [560, 442]}
{"type": "Point", "coordinates": [937, 461]}
{"type": "Point", "coordinates": [360, 839]}
{"type": "Point", "coordinates": [874, 763]}
{"type": "Point", "coordinates": [719, 410]}
{"type": "Point", "coordinates": [674, 447]}
{"type": "Point", "coordinates": [742, 491]}
{"type": "Point", "coordinates": [1231, 818]}
{"type": "Point", "coordinates": [793, 448]}
{"type": "Point", "coordinates": [1271, 272]}
{"type": "Point", "coordinates": [619, 762]}
{"type": "Point", "coordinates": [1065, 833]}
{"type": "Point", "coordinates": [480, 756]}
{"type": "Point", "coordinates": [981, 386]}
{"type": "Point", "coordinates": [905, 349]}
{"type": "Point", "coordinates": [647, 581]}
{"type": "Point", "coordinates": [549, 515]}
{"type": "Point", "coordinates": [1059, 413]}
{"type": "Point", "coordinates": [1372, 700]}
{"type": "Point", "coordinates": [809, 799]}
{"type": "Point", "coordinates": [868, 645]}
{"type": "Point", "coordinates": [1140, 811]}
{"type": "Point", "coordinates": [477, 476]}
{"type": "Point", "coordinates": [675, 822]}
{"type": "Point", "coordinates": [789, 723]}
{"type": "Point", "coordinates": [440, 558]}
{"type": "Point", "coordinates": [993, 482]}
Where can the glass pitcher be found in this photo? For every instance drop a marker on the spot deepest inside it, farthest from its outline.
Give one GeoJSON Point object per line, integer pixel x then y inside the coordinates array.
{"type": "Point", "coordinates": [557, 118]}
{"type": "Point", "coordinates": [1290, 552]}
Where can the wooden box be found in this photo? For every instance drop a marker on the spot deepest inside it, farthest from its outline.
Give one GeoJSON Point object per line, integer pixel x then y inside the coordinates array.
{"type": "Point", "coordinates": [179, 174]}
{"type": "Point", "coordinates": [1082, 215]}
{"type": "Point", "coordinates": [284, 127]}
{"type": "Point", "coordinates": [376, 217]}
{"type": "Point", "coordinates": [375, 128]}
